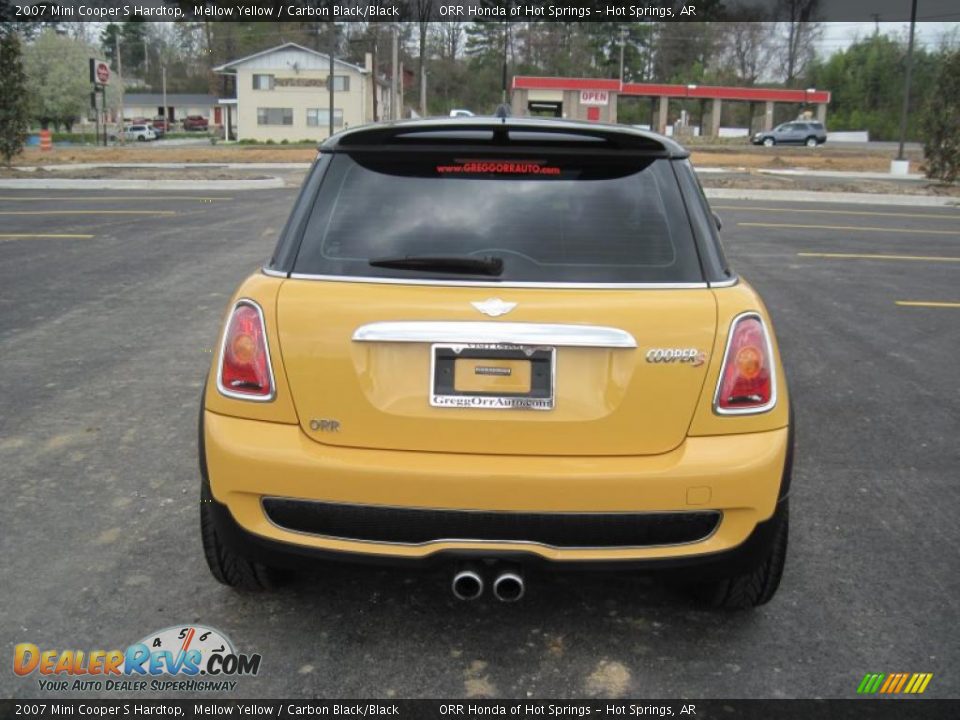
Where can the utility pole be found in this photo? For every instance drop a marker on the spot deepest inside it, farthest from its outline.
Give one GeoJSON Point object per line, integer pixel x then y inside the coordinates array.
{"type": "Point", "coordinates": [623, 44]}
{"type": "Point", "coordinates": [120, 84]}
{"type": "Point", "coordinates": [506, 44]}
{"type": "Point", "coordinates": [163, 74]}
{"type": "Point", "coordinates": [394, 91]}
{"type": "Point", "coordinates": [906, 89]}
{"type": "Point", "coordinates": [333, 49]}
{"type": "Point", "coordinates": [373, 62]}
{"type": "Point", "coordinates": [423, 91]}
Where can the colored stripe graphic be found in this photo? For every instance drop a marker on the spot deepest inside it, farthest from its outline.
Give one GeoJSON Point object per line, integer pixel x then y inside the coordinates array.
{"type": "Point", "coordinates": [894, 683]}
{"type": "Point", "coordinates": [870, 683]}
{"type": "Point", "coordinates": [900, 683]}
{"type": "Point", "coordinates": [891, 681]}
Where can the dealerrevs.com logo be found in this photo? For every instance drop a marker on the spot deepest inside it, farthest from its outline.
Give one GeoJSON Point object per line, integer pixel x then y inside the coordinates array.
{"type": "Point", "coordinates": [189, 658]}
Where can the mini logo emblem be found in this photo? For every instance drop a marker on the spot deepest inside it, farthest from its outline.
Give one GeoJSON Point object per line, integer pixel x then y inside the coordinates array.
{"type": "Point", "coordinates": [494, 307]}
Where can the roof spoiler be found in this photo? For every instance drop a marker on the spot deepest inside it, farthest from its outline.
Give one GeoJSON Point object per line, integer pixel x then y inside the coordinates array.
{"type": "Point", "coordinates": [504, 135]}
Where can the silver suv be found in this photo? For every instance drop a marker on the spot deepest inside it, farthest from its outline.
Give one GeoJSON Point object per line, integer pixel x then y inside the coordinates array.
{"type": "Point", "coordinates": [799, 132]}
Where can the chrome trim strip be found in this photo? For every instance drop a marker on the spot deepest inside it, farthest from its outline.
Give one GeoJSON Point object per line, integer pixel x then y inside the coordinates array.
{"type": "Point", "coordinates": [273, 273]}
{"type": "Point", "coordinates": [266, 344]}
{"type": "Point", "coordinates": [726, 283]}
{"type": "Point", "coordinates": [493, 333]}
{"type": "Point", "coordinates": [464, 541]}
{"type": "Point", "coordinates": [508, 284]}
{"type": "Point", "coordinates": [773, 370]}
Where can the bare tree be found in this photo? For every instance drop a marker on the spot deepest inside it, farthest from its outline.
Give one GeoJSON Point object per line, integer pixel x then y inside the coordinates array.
{"type": "Point", "coordinates": [800, 33]}
{"type": "Point", "coordinates": [424, 9]}
{"type": "Point", "coordinates": [451, 38]}
{"type": "Point", "coordinates": [748, 49]}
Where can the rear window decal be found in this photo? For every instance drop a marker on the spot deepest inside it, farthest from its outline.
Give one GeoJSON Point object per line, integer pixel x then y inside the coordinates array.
{"type": "Point", "coordinates": [498, 167]}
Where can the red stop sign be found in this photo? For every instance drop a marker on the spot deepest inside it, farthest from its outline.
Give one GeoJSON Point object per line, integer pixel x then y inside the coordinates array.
{"type": "Point", "coordinates": [103, 73]}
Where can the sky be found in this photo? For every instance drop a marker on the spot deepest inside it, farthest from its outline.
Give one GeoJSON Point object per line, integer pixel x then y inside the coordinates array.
{"type": "Point", "coordinates": [839, 35]}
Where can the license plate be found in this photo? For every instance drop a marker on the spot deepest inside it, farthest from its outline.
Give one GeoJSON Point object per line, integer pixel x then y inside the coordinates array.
{"type": "Point", "coordinates": [492, 377]}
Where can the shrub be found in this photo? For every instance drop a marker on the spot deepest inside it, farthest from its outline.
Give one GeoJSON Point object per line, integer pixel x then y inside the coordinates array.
{"type": "Point", "coordinates": [941, 127]}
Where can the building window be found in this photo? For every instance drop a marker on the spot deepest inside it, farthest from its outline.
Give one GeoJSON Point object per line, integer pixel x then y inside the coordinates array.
{"type": "Point", "coordinates": [317, 117]}
{"type": "Point", "coordinates": [341, 83]}
{"type": "Point", "coordinates": [274, 116]}
{"type": "Point", "coordinates": [263, 82]}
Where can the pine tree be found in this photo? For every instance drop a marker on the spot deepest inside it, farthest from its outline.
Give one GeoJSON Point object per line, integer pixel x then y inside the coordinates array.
{"type": "Point", "coordinates": [14, 114]}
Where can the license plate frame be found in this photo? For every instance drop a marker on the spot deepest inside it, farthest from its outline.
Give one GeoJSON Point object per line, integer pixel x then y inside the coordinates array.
{"type": "Point", "coordinates": [443, 393]}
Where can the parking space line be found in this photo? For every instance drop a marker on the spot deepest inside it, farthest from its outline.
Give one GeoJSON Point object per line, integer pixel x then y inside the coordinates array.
{"type": "Point", "coordinates": [114, 199]}
{"type": "Point", "coordinates": [923, 303]}
{"type": "Point", "coordinates": [865, 256]}
{"type": "Point", "coordinates": [43, 236]}
{"type": "Point", "coordinates": [88, 212]}
{"type": "Point", "coordinates": [836, 212]}
{"type": "Point", "coordinates": [850, 228]}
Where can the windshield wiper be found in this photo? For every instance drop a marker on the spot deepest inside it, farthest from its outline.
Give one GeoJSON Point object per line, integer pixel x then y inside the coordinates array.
{"type": "Point", "coordinates": [443, 263]}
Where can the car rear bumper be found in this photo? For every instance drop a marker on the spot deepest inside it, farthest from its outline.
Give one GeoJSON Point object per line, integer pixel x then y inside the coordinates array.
{"type": "Point", "coordinates": [282, 498]}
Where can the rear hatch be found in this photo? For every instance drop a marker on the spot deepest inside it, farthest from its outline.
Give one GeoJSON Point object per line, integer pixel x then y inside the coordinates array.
{"type": "Point", "coordinates": [470, 303]}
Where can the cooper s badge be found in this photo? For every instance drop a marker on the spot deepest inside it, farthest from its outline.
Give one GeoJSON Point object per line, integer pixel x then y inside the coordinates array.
{"type": "Point", "coordinates": [691, 356]}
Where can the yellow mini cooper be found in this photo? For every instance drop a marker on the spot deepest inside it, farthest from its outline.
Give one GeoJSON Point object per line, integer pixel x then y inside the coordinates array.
{"type": "Point", "coordinates": [489, 343]}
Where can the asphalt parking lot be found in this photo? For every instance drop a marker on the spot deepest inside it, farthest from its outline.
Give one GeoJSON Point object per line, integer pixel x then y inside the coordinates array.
{"type": "Point", "coordinates": [110, 304]}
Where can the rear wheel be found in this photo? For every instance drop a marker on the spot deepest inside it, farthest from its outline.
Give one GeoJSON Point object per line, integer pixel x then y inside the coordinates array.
{"type": "Point", "coordinates": [756, 586]}
{"type": "Point", "coordinates": [141, 138]}
{"type": "Point", "coordinates": [811, 142]}
{"type": "Point", "coordinates": [225, 565]}
{"type": "Point", "coordinates": [769, 142]}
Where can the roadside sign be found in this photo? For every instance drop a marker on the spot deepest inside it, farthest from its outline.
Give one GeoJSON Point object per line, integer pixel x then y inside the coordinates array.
{"type": "Point", "coordinates": [594, 97]}
{"type": "Point", "coordinates": [99, 72]}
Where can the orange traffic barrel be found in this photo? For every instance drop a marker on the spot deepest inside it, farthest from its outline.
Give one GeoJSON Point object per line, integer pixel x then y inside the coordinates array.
{"type": "Point", "coordinates": [46, 140]}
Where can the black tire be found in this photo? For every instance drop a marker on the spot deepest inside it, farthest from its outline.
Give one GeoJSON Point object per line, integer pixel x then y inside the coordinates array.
{"type": "Point", "coordinates": [769, 142]}
{"type": "Point", "coordinates": [757, 586]}
{"type": "Point", "coordinates": [811, 142]}
{"type": "Point", "coordinates": [225, 565]}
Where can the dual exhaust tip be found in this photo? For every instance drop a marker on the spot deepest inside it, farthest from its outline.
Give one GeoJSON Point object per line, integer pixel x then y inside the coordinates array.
{"type": "Point", "coordinates": [468, 584]}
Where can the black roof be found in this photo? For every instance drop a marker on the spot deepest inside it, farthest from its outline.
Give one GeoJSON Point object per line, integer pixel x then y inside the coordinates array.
{"type": "Point", "coordinates": [504, 134]}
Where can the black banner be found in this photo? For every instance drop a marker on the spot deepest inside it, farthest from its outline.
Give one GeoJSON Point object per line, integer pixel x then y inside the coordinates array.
{"type": "Point", "coordinates": [470, 10]}
{"type": "Point", "coordinates": [887, 709]}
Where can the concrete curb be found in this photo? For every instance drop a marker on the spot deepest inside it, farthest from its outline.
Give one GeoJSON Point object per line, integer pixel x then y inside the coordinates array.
{"type": "Point", "coordinates": [832, 197]}
{"type": "Point", "coordinates": [120, 184]}
{"type": "Point", "coordinates": [843, 174]}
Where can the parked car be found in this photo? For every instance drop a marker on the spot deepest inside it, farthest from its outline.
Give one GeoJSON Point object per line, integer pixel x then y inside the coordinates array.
{"type": "Point", "coordinates": [139, 132]}
{"type": "Point", "coordinates": [161, 126]}
{"type": "Point", "coordinates": [799, 132]}
{"type": "Point", "coordinates": [195, 122]}
{"type": "Point", "coordinates": [460, 112]}
{"type": "Point", "coordinates": [520, 343]}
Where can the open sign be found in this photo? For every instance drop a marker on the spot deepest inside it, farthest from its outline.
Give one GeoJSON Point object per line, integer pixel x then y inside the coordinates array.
{"type": "Point", "coordinates": [594, 97]}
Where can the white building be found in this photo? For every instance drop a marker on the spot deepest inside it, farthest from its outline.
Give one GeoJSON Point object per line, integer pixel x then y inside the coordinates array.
{"type": "Point", "coordinates": [282, 94]}
{"type": "Point", "coordinates": [178, 106]}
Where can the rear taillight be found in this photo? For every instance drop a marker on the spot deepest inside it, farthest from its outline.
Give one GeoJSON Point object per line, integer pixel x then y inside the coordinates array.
{"type": "Point", "coordinates": [748, 378]}
{"type": "Point", "coordinates": [245, 370]}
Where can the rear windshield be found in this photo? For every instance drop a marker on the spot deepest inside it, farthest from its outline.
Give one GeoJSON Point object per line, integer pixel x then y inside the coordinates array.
{"type": "Point", "coordinates": [550, 220]}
